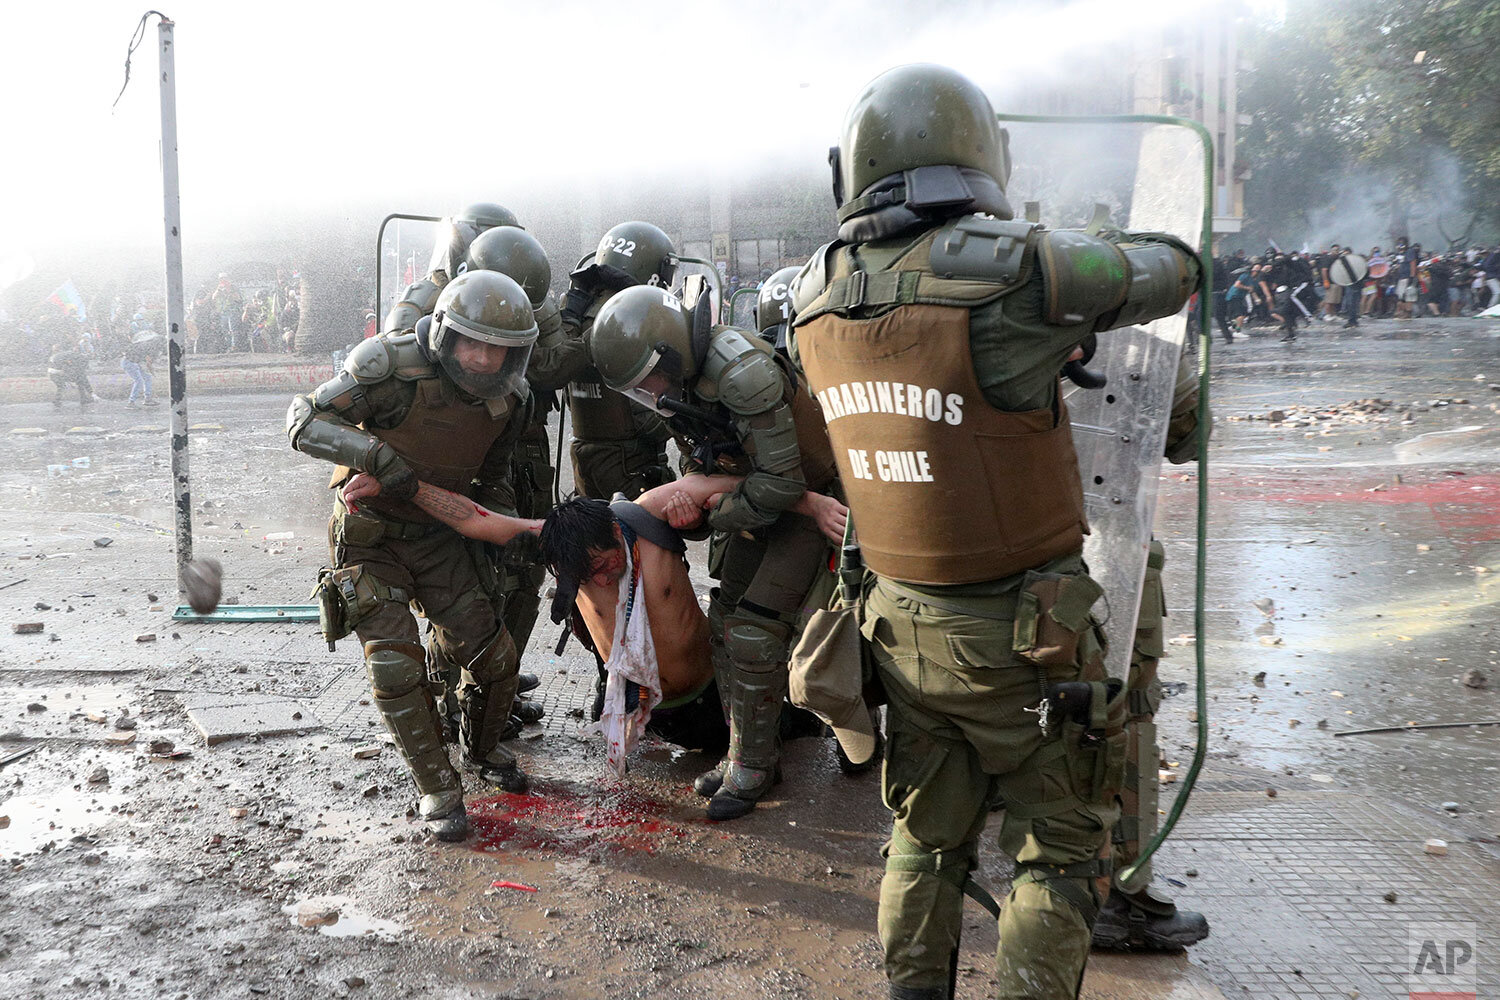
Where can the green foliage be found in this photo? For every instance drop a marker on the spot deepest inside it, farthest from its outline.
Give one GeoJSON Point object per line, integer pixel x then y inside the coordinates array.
{"type": "Point", "coordinates": [1403, 92]}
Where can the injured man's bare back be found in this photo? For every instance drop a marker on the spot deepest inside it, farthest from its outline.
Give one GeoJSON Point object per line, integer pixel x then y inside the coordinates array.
{"type": "Point", "coordinates": [583, 544]}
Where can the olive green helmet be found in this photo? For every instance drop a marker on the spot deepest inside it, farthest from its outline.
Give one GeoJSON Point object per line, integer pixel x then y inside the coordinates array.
{"type": "Point", "coordinates": [639, 250]}
{"type": "Point", "coordinates": [773, 306]}
{"type": "Point", "coordinates": [458, 231]}
{"type": "Point", "coordinates": [515, 253]}
{"type": "Point", "coordinates": [931, 124]}
{"type": "Point", "coordinates": [478, 312]}
{"type": "Point", "coordinates": [639, 332]}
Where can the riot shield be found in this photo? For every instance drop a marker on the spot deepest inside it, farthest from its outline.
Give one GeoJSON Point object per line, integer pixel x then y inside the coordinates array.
{"type": "Point", "coordinates": [1137, 175]}
{"type": "Point", "coordinates": [404, 247]}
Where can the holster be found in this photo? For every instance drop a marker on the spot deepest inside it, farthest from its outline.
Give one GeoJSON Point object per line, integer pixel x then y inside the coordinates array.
{"type": "Point", "coordinates": [348, 595]}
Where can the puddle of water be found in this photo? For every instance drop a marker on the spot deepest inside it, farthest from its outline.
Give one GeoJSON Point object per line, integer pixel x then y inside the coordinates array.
{"type": "Point", "coordinates": [352, 920]}
{"type": "Point", "coordinates": [576, 819]}
{"type": "Point", "coordinates": [37, 818]}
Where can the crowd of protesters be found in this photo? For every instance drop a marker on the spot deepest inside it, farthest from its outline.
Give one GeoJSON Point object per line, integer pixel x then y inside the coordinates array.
{"type": "Point", "coordinates": [129, 332]}
{"type": "Point", "coordinates": [1287, 290]}
{"type": "Point", "coordinates": [223, 319]}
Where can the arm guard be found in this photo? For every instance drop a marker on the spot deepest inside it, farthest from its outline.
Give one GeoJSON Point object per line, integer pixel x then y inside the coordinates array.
{"type": "Point", "coordinates": [775, 484]}
{"type": "Point", "coordinates": [745, 378]}
{"type": "Point", "coordinates": [1107, 283]}
{"type": "Point", "coordinates": [327, 435]}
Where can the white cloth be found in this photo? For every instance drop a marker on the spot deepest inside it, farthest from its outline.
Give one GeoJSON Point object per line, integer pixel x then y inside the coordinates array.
{"type": "Point", "coordinates": [632, 657]}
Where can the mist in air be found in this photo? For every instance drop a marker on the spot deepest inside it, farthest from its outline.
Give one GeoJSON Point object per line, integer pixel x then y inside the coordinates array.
{"type": "Point", "coordinates": [297, 118]}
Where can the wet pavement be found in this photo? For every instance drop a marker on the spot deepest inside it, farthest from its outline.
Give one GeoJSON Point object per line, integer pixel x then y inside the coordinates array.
{"type": "Point", "coordinates": [1373, 533]}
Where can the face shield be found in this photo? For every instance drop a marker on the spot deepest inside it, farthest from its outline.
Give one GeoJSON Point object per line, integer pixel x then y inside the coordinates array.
{"type": "Point", "coordinates": [484, 365]}
{"type": "Point", "coordinates": [655, 381]}
{"type": "Point", "coordinates": [452, 246]}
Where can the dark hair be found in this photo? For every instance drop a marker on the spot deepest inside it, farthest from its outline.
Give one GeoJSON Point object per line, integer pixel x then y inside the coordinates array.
{"type": "Point", "coordinates": [569, 531]}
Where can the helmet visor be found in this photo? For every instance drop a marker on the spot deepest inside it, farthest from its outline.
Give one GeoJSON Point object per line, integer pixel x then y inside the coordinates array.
{"type": "Point", "coordinates": [482, 369]}
{"type": "Point", "coordinates": [649, 400]}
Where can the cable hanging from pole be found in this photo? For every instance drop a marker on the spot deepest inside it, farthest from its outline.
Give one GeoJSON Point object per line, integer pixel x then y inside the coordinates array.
{"type": "Point", "coordinates": [135, 41]}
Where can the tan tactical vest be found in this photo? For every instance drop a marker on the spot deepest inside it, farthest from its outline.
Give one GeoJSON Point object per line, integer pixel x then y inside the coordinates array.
{"type": "Point", "coordinates": [943, 487]}
{"type": "Point", "coordinates": [443, 439]}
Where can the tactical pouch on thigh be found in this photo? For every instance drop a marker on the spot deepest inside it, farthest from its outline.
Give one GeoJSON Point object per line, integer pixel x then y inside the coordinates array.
{"type": "Point", "coordinates": [1052, 612]}
{"type": "Point", "coordinates": [347, 596]}
{"type": "Point", "coordinates": [1096, 749]}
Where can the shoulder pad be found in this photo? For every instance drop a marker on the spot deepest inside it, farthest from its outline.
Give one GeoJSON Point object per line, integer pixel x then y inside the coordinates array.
{"type": "Point", "coordinates": [983, 248]}
{"type": "Point", "coordinates": [390, 355]}
{"type": "Point", "coordinates": [744, 371]}
{"type": "Point", "coordinates": [370, 361]}
{"type": "Point", "coordinates": [1083, 276]}
{"type": "Point", "coordinates": [811, 280]}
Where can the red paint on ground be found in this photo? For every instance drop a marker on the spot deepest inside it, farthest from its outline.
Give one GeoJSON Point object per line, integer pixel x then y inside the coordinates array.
{"type": "Point", "coordinates": [573, 819]}
{"type": "Point", "coordinates": [1465, 507]}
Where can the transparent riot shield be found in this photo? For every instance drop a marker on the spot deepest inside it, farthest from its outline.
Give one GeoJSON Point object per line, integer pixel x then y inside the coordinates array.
{"type": "Point", "coordinates": [404, 247]}
{"type": "Point", "coordinates": [742, 308]}
{"type": "Point", "coordinates": [1135, 174]}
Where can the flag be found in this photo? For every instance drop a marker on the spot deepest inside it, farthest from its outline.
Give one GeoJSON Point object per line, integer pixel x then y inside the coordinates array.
{"type": "Point", "coordinates": [68, 300]}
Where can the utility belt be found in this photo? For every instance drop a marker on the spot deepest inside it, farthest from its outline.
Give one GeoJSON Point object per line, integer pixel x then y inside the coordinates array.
{"type": "Point", "coordinates": [367, 528]}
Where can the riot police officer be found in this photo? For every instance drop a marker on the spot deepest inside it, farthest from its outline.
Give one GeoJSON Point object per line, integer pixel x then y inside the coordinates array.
{"type": "Point", "coordinates": [617, 448]}
{"type": "Point", "coordinates": [455, 235]}
{"type": "Point", "coordinates": [932, 331]}
{"type": "Point", "coordinates": [734, 408]}
{"type": "Point", "coordinates": [446, 409]}
{"type": "Point", "coordinates": [486, 236]}
{"type": "Point", "coordinates": [773, 308]}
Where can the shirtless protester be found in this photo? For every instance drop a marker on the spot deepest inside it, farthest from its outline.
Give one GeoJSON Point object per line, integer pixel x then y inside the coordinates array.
{"type": "Point", "coordinates": [583, 543]}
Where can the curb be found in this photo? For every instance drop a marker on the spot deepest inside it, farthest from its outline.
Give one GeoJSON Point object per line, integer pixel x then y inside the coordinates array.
{"type": "Point", "coordinates": [291, 377]}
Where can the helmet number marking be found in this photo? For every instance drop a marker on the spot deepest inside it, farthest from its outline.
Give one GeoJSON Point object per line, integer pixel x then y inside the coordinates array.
{"type": "Point", "coordinates": [625, 248]}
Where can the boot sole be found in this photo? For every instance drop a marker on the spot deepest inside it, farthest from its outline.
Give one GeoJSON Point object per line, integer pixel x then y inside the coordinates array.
{"type": "Point", "coordinates": [1117, 938]}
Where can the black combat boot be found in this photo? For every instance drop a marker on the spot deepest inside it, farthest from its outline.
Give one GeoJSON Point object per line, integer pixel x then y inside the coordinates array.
{"type": "Point", "coordinates": [1146, 921]}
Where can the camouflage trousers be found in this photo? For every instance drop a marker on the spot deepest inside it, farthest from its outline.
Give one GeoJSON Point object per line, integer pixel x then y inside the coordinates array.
{"type": "Point", "coordinates": [964, 677]}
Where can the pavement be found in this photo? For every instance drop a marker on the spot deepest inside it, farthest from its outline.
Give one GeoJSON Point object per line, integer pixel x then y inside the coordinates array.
{"type": "Point", "coordinates": [1353, 552]}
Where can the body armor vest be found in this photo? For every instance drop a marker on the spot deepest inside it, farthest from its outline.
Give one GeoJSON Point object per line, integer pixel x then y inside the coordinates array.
{"type": "Point", "coordinates": [443, 439]}
{"type": "Point", "coordinates": [944, 488]}
{"type": "Point", "coordinates": [597, 412]}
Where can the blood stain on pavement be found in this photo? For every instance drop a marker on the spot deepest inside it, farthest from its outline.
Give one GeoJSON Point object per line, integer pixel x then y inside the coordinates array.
{"type": "Point", "coordinates": [574, 819]}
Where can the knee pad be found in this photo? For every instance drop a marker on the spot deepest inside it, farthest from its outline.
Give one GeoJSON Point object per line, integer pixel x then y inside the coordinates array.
{"type": "Point", "coordinates": [396, 667]}
{"type": "Point", "coordinates": [756, 643]}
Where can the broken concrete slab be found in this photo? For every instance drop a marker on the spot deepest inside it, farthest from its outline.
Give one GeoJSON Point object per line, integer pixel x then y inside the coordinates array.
{"type": "Point", "coordinates": [221, 717]}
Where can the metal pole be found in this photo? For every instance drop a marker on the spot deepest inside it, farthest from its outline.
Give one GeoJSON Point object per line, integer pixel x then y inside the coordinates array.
{"type": "Point", "coordinates": [172, 223]}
